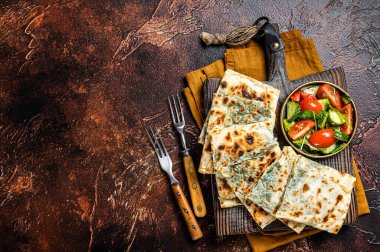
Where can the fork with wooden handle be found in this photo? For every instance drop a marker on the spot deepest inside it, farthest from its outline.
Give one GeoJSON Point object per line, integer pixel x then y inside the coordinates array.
{"type": "Point", "coordinates": [192, 179]}
{"type": "Point", "coordinates": [166, 165]}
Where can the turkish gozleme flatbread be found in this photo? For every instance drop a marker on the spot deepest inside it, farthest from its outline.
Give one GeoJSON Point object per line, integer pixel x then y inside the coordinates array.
{"type": "Point", "coordinates": [227, 111]}
{"type": "Point", "coordinates": [317, 195]}
{"type": "Point", "coordinates": [245, 173]}
{"type": "Point", "coordinates": [243, 176]}
{"type": "Point", "coordinates": [248, 101]}
{"type": "Point", "coordinates": [234, 83]}
{"type": "Point", "coordinates": [227, 197]}
{"type": "Point", "coordinates": [235, 143]}
{"type": "Point", "coordinates": [239, 100]}
{"type": "Point", "coordinates": [242, 152]}
{"type": "Point", "coordinates": [259, 215]}
{"type": "Point", "coordinates": [270, 188]}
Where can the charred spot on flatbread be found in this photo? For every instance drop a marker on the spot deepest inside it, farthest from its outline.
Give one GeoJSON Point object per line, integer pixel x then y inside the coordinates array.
{"type": "Point", "coordinates": [228, 137]}
{"type": "Point", "coordinates": [339, 198]}
{"type": "Point", "coordinates": [297, 214]}
{"type": "Point", "coordinates": [225, 100]}
{"type": "Point", "coordinates": [208, 148]}
{"type": "Point", "coordinates": [236, 147]}
{"type": "Point", "coordinates": [249, 139]}
{"type": "Point", "coordinates": [305, 188]}
{"type": "Point", "coordinates": [223, 84]}
{"type": "Point", "coordinates": [245, 94]}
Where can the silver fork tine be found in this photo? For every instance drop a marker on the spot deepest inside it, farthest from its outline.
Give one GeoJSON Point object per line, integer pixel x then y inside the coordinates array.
{"type": "Point", "coordinates": [163, 146]}
{"type": "Point", "coordinates": [175, 107]}
{"type": "Point", "coordinates": [171, 109]}
{"type": "Point", "coordinates": [151, 141]}
{"type": "Point", "coordinates": [180, 108]}
{"type": "Point", "coordinates": [161, 153]}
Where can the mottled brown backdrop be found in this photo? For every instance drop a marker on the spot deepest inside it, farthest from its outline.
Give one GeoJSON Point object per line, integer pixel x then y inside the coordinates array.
{"type": "Point", "coordinates": [79, 80]}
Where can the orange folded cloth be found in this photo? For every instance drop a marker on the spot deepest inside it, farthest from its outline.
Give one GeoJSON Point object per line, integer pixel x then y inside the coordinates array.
{"type": "Point", "coordinates": [301, 59]}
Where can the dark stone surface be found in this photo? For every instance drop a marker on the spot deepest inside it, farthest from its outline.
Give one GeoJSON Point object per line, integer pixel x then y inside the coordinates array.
{"type": "Point", "coordinates": [80, 79]}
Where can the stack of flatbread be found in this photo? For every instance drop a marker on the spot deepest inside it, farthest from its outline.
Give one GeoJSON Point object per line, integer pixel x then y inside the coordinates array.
{"type": "Point", "coordinates": [239, 147]}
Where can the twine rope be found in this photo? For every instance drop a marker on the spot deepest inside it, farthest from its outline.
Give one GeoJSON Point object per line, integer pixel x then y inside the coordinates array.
{"type": "Point", "coordinates": [239, 36]}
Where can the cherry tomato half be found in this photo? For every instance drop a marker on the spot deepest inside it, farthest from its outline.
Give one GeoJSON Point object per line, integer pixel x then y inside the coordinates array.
{"type": "Point", "coordinates": [322, 138]}
{"type": "Point", "coordinates": [329, 92]}
{"type": "Point", "coordinates": [296, 96]}
{"type": "Point", "coordinates": [301, 128]}
{"type": "Point", "coordinates": [307, 96]}
{"type": "Point", "coordinates": [309, 104]}
{"type": "Point", "coordinates": [348, 110]}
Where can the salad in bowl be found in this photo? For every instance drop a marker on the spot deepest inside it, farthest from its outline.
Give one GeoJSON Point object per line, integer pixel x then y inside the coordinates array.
{"type": "Point", "coordinates": [318, 119]}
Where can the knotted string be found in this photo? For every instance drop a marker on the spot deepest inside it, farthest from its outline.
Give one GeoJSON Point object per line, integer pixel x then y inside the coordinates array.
{"type": "Point", "coordinates": [239, 36]}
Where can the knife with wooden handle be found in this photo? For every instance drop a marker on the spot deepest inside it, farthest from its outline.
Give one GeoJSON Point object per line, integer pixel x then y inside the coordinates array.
{"type": "Point", "coordinates": [197, 200]}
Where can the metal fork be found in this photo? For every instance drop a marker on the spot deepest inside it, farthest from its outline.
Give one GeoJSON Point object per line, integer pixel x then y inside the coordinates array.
{"type": "Point", "coordinates": [178, 120]}
{"type": "Point", "coordinates": [167, 165]}
{"type": "Point", "coordinates": [197, 200]}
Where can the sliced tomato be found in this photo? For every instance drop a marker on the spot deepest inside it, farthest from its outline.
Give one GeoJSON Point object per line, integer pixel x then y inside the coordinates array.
{"type": "Point", "coordinates": [348, 110]}
{"type": "Point", "coordinates": [296, 96]}
{"type": "Point", "coordinates": [309, 104]}
{"type": "Point", "coordinates": [301, 128]}
{"type": "Point", "coordinates": [331, 93]}
{"type": "Point", "coordinates": [307, 96]}
{"type": "Point", "coordinates": [322, 138]}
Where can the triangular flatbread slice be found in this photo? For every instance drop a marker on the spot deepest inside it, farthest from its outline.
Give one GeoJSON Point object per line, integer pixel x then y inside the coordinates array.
{"type": "Point", "coordinates": [270, 188]}
{"type": "Point", "coordinates": [242, 152]}
{"type": "Point", "coordinates": [245, 174]}
{"type": "Point", "coordinates": [227, 197]}
{"type": "Point", "coordinates": [317, 195]}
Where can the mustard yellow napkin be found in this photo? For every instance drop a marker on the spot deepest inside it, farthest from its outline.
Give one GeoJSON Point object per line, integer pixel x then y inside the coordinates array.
{"type": "Point", "coordinates": [301, 59]}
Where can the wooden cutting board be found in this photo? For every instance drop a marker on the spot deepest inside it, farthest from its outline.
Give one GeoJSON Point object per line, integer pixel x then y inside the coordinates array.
{"type": "Point", "coordinates": [237, 220]}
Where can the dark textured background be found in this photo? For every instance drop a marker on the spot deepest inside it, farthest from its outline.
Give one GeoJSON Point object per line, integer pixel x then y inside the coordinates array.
{"type": "Point", "coordinates": [80, 79]}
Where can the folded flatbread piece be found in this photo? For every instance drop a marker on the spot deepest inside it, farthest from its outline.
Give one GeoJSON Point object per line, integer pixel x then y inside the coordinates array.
{"type": "Point", "coordinates": [270, 188]}
{"type": "Point", "coordinates": [248, 101]}
{"type": "Point", "coordinates": [242, 153]}
{"type": "Point", "coordinates": [225, 112]}
{"type": "Point", "coordinates": [317, 195]}
{"type": "Point", "coordinates": [227, 197]}
{"type": "Point", "coordinates": [300, 192]}
{"type": "Point", "coordinates": [239, 100]}
{"type": "Point", "coordinates": [237, 143]}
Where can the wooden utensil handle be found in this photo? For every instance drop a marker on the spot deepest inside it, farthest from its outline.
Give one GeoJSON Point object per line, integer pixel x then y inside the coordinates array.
{"type": "Point", "coordinates": [197, 200]}
{"type": "Point", "coordinates": [191, 222]}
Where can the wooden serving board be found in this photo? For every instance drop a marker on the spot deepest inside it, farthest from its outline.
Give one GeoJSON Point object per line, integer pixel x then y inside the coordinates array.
{"type": "Point", "coordinates": [237, 220]}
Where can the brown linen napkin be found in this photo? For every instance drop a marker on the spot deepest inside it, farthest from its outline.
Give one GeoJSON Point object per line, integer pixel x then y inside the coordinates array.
{"type": "Point", "coordinates": [301, 60]}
